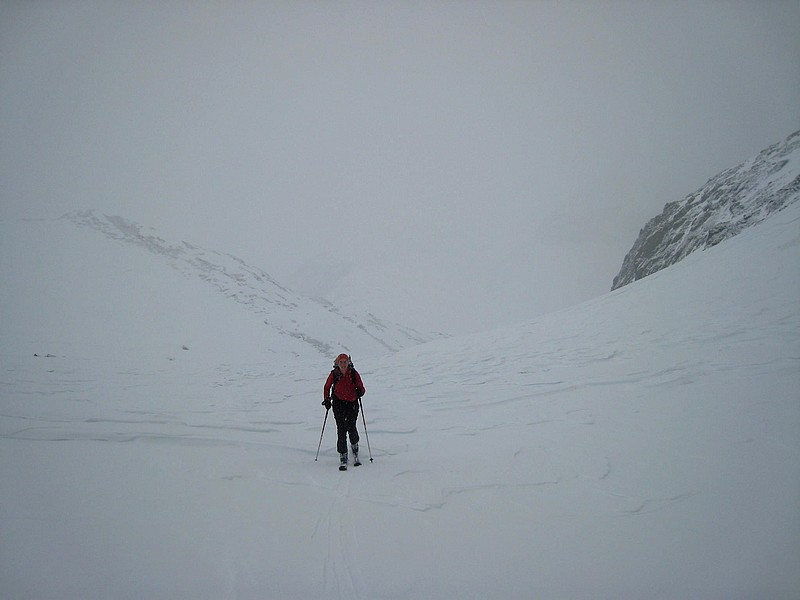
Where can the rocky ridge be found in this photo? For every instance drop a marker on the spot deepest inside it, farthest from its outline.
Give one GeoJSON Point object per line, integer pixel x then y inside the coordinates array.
{"type": "Point", "coordinates": [733, 200]}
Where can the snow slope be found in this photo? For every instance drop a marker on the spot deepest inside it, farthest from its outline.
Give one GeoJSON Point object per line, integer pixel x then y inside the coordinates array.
{"type": "Point", "coordinates": [89, 280]}
{"type": "Point", "coordinates": [640, 445]}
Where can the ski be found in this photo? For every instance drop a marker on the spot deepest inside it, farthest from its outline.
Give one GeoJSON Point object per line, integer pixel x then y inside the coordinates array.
{"type": "Point", "coordinates": [343, 467]}
{"type": "Point", "coordinates": [356, 462]}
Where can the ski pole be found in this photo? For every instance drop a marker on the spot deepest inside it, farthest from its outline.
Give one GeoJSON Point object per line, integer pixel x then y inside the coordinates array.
{"type": "Point", "coordinates": [325, 420]}
{"type": "Point", "coordinates": [366, 433]}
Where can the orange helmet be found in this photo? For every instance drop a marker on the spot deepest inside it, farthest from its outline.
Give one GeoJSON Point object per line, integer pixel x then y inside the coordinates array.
{"type": "Point", "coordinates": [342, 356]}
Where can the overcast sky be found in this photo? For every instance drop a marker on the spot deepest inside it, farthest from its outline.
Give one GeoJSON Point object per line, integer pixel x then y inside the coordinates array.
{"type": "Point", "coordinates": [501, 157]}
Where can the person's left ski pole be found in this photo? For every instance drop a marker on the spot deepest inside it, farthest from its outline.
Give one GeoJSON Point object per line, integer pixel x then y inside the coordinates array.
{"type": "Point", "coordinates": [366, 433]}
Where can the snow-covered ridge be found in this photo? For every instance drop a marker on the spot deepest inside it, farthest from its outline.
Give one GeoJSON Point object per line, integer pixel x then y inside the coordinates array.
{"type": "Point", "coordinates": [728, 203]}
{"type": "Point", "coordinates": [316, 323]}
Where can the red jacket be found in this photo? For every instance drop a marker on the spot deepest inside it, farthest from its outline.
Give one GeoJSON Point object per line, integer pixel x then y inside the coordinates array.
{"type": "Point", "coordinates": [343, 388]}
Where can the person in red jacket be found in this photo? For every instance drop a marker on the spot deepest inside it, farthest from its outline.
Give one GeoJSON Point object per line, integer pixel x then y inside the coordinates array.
{"type": "Point", "coordinates": [343, 390]}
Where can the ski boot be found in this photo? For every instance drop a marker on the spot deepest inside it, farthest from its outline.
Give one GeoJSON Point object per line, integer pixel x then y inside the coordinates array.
{"type": "Point", "coordinates": [343, 461]}
{"type": "Point", "coordinates": [356, 461]}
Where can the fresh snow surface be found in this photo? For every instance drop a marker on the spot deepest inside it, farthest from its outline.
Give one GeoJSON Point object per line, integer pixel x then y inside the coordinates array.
{"type": "Point", "coordinates": [641, 445]}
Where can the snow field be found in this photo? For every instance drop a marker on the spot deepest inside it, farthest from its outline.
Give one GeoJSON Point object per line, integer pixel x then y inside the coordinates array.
{"type": "Point", "coordinates": [640, 445]}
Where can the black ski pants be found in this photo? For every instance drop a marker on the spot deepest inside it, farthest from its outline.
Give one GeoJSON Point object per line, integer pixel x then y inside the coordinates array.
{"type": "Point", "coordinates": [346, 415]}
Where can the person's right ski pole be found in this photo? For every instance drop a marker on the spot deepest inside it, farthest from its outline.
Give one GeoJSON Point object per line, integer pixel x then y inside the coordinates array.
{"type": "Point", "coordinates": [325, 420]}
{"type": "Point", "coordinates": [366, 433]}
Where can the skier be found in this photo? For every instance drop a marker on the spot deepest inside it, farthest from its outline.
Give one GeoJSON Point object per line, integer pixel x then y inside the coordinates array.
{"type": "Point", "coordinates": [343, 390]}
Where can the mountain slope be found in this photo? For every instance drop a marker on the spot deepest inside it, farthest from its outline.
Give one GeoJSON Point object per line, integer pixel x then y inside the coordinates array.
{"type": "Point", "coordinates": [733, 200]}
{"type": "Point", "coordinates": [63, 274]}
{"type": "Point", "coordinates": [640, 445]}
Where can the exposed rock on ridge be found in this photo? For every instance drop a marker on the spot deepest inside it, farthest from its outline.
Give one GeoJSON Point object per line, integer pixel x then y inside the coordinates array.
{"type": "Point", "coordinates": [730, 202]}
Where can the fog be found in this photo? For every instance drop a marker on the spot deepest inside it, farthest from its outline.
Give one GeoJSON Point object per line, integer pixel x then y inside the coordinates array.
{"type": "Point", "coordinates": [461, 165]}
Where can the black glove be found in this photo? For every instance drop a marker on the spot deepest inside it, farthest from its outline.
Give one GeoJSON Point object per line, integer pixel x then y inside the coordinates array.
{"type": "Point", "coordinates": [326, 403]}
